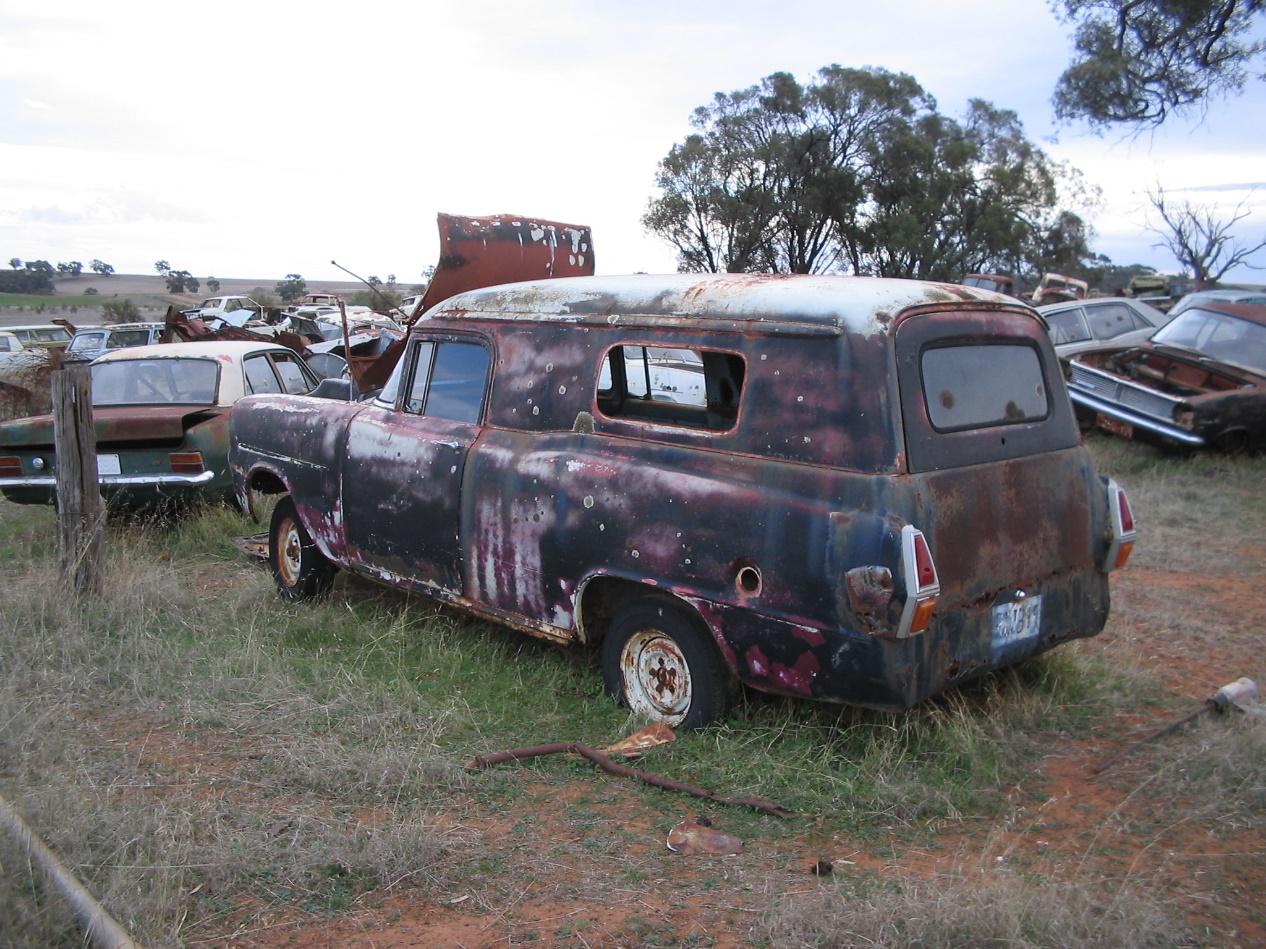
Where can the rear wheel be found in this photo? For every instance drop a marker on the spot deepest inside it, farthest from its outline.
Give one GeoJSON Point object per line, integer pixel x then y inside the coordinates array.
{"type": "Point", "coordinates": [661, 663]}
{"type": "Point", "coordinates": [298, 566]}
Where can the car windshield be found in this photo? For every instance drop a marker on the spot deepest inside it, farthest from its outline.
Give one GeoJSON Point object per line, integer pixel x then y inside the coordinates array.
{"type": "Point", "coordinates": [155, 382]}
{"type": "Point", "coordinates": [84, 341]}
{"type": "Point", "coordinates": [1225, 338]}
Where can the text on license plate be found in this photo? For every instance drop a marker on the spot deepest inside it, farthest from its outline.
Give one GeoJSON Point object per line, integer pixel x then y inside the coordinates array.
{"type": "Point", "coordinates": [1014, 622]}
{"type": "Point", "coordinates": [108, 465]}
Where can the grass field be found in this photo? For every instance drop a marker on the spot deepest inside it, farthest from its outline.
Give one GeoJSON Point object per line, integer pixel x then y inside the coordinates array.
{"type": "Point", "coordinates": [219, 765]}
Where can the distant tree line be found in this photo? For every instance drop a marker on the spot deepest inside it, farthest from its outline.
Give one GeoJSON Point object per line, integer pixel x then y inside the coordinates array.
{"type": "Point", "coordinates": [857, 171]}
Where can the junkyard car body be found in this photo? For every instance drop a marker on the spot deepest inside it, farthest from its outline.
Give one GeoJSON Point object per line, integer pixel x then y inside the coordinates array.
{"type": "Point", "coordinates": [1200, 297]}
{"type": "Point", "coordinates": [40, 335]}
{"type": "Point", "coordinates": [765, 454]}
{"type": "Point", "coordinates": [88, 344]}
{"type": "Point", "coordinates": [161, 420]}
{"type": "Point", "coordinates": [1055, 288]}
{"type": "Point", "coordinates": [1087, 324]}
{"type": "Point", "coordinates": [1199, 381]}
{"type": "Point", "coordinates": [9, 343]}
{"type": "Point", "coordinates": [998, 283]}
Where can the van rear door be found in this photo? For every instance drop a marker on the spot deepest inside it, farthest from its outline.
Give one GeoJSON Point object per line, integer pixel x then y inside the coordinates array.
{"type": "Point", "coordinates": [1007, 495]}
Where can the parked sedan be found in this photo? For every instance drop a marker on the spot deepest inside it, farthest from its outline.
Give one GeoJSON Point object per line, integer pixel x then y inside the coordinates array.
{"type": "Point", "coordinates": [9, 344]}
{"type": "Point", "coordinates": [88, 344]}
{"type": "Point", "coordinates": [40, 334]}
{"type": "Point", "coordinates": [1219, 296]}
{"type": "Point", "coordinates": [1199, 381]}
{"type": "Point", "coordinates": [1084, 325]}
{"type": "Point", "coordinates": [161, 415]}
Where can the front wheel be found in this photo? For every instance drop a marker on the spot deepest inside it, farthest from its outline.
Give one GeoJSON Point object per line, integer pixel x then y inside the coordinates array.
{"type": "Point", "coordinates": [298, 566]}
{"type": "Point", "coordinates": [658, 661]}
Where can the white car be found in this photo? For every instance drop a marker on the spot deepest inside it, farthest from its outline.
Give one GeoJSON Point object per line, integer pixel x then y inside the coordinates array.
{"type": "Point", "coordinates": [9, 344]}
{"type": "Point", "coordinates": [234, 310]}
{"type": "Point", "coordinates": [1082, 325]}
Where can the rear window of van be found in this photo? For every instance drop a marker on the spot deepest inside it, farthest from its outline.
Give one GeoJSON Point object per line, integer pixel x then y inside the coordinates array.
{"type": "Point", "coordinates": [970, 386]}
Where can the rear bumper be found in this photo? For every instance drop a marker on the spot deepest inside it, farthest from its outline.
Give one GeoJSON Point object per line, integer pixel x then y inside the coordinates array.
{"type": "Point", "coordinates": [40, 489]}
{"type": "Point", "coordinates": [1153, 426]}
{"type": "Point", "coordinates": [850, 667]}
{"type": "Point", "coordinates": [48, 481]}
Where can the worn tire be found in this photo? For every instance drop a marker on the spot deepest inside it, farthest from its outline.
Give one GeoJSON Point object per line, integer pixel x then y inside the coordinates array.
{"type": "Point", "coordinates": [299, 568]}
{"type": "Point", "coordinates": [661, 663]}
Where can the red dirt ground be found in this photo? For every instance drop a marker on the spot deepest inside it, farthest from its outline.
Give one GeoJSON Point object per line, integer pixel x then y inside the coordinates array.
{"type": "Point", "coordinates": [1065, 824]}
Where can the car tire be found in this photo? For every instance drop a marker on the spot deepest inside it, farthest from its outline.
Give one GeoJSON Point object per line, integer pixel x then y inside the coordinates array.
{"type": "Point", "coordinates": [300, 569]}
{"type": "Point", "coordinates": [660, 662]}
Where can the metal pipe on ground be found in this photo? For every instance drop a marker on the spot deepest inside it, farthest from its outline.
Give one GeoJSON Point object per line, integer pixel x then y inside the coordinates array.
{"type": "Point", "coordinates": [99, 926]}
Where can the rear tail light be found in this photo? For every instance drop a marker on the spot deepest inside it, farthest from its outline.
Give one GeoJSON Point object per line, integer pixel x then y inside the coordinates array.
{"type": "Point", "coordinates": [923, 586]}
{"type": "Point", "coordinates": [186, 462]}
{"type": "Point", "coordinates": [10, 466]}
{"type": "Point", "coordinates": [1121, 516]}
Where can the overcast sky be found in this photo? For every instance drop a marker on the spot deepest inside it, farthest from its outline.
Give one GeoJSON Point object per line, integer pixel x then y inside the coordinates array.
{"type": "Point", "coordinates": [256, 139]}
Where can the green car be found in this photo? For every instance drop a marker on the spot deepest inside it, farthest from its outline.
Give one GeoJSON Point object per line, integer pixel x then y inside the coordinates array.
{"type": "Point", "coordinates": [161, 415]}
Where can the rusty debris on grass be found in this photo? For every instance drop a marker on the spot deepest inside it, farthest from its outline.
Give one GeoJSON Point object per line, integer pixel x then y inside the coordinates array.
{"type": "Point", "coordinates": [696, 836]}
{"type": "Point", "coordinates": [483, 762]}
{"type": "Point", "coordinates": [254, 546]}
{"type": "Point", "coordinates": [642, 740]}
{"type": "Point", "coordinates": [1239, 696]}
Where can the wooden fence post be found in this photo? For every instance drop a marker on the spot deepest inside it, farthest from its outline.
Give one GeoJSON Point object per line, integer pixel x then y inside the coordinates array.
{"type": "Point", "coordinates": [80, 511]}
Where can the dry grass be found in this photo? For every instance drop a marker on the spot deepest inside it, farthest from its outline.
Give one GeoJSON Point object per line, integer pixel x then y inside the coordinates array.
{"type": "Point", "coordinates": [154, 739]}
{"type": "Point", "coordinates": [973, 911]}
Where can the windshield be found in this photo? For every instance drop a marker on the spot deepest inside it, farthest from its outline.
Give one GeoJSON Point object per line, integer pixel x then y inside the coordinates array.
{"type": "Point", "coordinates": [84, 341]}
{"type": "Point", "coordinates": [155, 382]}
{"type": "Point", "coordinates": [1226, 338]}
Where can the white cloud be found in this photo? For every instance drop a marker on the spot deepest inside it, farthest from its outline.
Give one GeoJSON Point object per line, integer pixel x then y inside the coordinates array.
{"type": "Point", "coordinates": [266, 138]}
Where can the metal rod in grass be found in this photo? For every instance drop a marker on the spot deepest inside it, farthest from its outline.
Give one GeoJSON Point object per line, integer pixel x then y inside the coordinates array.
{"type": "Point", "coordinates": [483, 762]}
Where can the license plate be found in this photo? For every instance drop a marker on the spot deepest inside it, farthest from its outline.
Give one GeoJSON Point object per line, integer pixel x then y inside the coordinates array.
{"type": "Point", "coordinates": [1115, 426]}
{"type": "Point", "coordinates": [108, 465]}
{"type": "Point", "coordinates": [1018, 621]}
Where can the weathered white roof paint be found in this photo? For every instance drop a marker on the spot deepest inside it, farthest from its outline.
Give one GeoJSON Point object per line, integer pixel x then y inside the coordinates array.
{"type": "Point", "coordinates": [233, 348]}
{"type": "Point", "coordinates": [854, 304]}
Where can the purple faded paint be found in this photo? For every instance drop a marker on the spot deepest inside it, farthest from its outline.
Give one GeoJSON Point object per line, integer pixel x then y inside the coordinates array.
{"type": "Point", "coordinates": [772, 513]}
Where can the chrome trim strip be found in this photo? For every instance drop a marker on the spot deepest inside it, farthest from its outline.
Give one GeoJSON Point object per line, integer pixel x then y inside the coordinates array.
{"type": "Point", "coordinates": [276, 456]}
{"type": "Point", "coordinates": [1141, 421]}
{"type": "Point", "coordinates": [46, 481]}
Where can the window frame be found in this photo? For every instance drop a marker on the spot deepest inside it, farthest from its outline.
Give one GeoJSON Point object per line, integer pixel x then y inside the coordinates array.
{"type": "Point", "coordinates": [979, 342]}
{"type": "Point", "coordinates": [436, 339]}
{"type": "Point", "coordinates": [642, 343]}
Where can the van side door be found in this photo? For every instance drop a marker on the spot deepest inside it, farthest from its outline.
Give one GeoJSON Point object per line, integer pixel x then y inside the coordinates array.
{"type": "Point", "coordinates": [405, 460]}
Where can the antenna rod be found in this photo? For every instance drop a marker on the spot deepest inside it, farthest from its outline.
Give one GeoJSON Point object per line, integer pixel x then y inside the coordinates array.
{"type": "Point", "coordinates": [390, 305]}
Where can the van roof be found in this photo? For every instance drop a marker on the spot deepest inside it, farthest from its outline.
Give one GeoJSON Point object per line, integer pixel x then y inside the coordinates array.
{"type": "Point", "coordinates": [852, 304]}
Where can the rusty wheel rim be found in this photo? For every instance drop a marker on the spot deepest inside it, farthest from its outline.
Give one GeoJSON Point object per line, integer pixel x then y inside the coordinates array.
{"type": "Point", "coordinates": [290, 555]}
{"type": "Point", "coordinates": [656, 676]}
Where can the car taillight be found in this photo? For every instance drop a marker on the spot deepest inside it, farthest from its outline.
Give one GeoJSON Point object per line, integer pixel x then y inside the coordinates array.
{"type": "Point", "coordinates": [10, 466]}
{"type": "Point", "coordinates": [1123, 533]}
{"type": "Point", "coordinates": [186, 462]}
{"type": "Point", "coordinates": [923, 586]}
{"type": "Point", "coordinates": [1127, 516]}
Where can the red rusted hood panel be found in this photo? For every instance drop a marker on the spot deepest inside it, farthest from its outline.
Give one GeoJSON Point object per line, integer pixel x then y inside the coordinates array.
{"type": "Point", "coordinates": [488, 251]}
{"type": "Point", "coordinates": [505, 248]}
{"type": "Point", "coordinates": [119, 425]}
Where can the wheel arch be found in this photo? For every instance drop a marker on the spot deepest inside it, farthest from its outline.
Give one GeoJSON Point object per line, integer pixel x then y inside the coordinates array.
{"type": "Point", "coordinates": [600, 596]}
{"type": "Point", "coordinates": [264, 479]}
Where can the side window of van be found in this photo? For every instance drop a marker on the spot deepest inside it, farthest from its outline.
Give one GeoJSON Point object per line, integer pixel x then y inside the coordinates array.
{"type": "Point", "coordinates": [450, 384]}
{"type": "Point", "coordinates": [693, 388]}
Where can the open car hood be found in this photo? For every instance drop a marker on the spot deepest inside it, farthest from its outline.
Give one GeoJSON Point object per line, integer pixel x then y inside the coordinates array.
{"type": "Point", "coordinates": [488, 251]}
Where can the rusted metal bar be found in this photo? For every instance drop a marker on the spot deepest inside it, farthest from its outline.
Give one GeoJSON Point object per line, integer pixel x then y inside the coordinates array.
{"type": "Point", "coordinates": [99, 926]}
{"type": "Point", "coordinates": [80, 511]}
{"type": "Point", "coordinates": [483, 762]}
